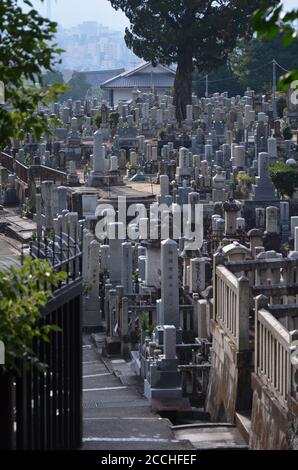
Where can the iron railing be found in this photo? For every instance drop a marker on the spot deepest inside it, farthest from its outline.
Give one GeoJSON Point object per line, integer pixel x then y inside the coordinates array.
{"type": "Point", "coordinates": [43, 409]}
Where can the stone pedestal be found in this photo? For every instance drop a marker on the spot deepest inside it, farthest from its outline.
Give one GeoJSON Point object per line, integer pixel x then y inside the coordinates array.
{"type": "Point", "coordinates": [163, 379]}
{"type": "Point", "coordinates": [92, 312]}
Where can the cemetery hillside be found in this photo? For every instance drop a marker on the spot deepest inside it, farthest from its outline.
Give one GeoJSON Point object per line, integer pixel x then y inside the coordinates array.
{"type": "Point", "coordinates": [148, 230]}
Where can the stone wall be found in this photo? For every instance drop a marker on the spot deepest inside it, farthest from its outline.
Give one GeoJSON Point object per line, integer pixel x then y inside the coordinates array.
{"type": "Point", "coordinates": [229, 381]}
{"type": "Point", "coordinates": [269, 420]}
{"type": "Point", "coordinates": [293, 424]}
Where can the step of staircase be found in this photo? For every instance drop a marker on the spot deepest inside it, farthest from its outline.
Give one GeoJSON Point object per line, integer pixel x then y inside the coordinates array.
{"type": "Point", "coordinates": [243, 423]}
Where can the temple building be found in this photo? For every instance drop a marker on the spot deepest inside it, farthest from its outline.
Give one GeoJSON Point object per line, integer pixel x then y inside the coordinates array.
{"type": "Point", "coordinates": [144, 77]}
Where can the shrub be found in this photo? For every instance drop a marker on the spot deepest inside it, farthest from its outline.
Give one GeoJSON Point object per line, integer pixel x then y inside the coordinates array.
{"type": "Point", "coordinates": [23, 292]}
{"type": "Point", "coordinates": [284, 177]}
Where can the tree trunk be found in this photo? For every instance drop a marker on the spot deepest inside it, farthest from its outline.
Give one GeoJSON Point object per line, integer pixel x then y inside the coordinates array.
{"type": "Point", "coordinates": [183, 83]}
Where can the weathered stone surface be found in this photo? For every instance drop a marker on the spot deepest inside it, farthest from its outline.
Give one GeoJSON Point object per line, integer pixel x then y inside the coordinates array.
{"type": "Point", "coordinates": [229, 381]}
{"type": "Point", "coordinates": [269, 423]}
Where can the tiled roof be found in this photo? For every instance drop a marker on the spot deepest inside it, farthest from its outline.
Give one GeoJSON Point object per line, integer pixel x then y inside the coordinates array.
{"type": "Point", "coordinates": [96, 78]}
{"type": "Point", "coordinates": [158, 80]}
{"type": "Point", "coordinates": [137, 78]}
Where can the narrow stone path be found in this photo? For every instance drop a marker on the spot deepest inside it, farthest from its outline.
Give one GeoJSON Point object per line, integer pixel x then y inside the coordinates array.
{"type": "Point", "coordinates": [116, 416]}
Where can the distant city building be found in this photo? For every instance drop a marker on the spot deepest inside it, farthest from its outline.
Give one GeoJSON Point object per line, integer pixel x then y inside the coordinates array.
{"type": "Point", "coordinates": [92, 46]}
{"type": "Point", "coordinates": [144, 77]}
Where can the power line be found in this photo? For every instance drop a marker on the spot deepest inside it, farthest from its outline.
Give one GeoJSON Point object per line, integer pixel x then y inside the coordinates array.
{"type": "Point", "coordinates": [281, 67]}
{"type": "Point", "coordinates": [232, 78]}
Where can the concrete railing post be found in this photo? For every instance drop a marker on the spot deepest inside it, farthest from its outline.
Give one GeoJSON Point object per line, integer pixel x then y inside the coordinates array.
{"type": "Point", "coordinates": [243, 314]}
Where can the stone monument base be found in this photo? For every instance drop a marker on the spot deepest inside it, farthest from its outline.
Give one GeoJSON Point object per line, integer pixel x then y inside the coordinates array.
{"type": "Point", "coordinates": [97, 180]}
{"type": "Point", "coordinates": [73, 180]}
{"type": "Point", "coordinates": [112, 346]}
{"type": "Point", "coordinates": [161, 393]}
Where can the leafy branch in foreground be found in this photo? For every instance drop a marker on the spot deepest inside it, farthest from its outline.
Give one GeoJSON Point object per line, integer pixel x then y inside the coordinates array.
{"type": "Point", "coordinates": [27, 49]}
{"type": "Point", "coordinates": [22, 295]}
{"type": "Point", "coordinates": [271, 21]}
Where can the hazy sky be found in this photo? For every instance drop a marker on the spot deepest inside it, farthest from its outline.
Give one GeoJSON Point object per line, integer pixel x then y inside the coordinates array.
{"type": "Point", "coordinates": [72, 12]}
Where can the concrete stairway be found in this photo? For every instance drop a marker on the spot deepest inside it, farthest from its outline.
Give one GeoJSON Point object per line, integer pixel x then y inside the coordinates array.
{"type": "Point", "coordinates": [115, 414]}
{"type": "Point", "coordinates": [211, 436]}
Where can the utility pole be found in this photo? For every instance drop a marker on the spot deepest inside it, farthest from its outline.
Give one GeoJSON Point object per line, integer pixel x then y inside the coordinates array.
{"type": "Point", "coordinates": [274, 107]}
{"type": "Point", "coordinates": [207, 87]}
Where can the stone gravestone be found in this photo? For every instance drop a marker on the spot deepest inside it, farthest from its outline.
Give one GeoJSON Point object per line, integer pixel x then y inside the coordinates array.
{"type": "Point", "coordinates": [89, 204]}
{"type": "Point", "coordinates": [264, 189]}
{"type": "Point", "coordinates": [169, 284]}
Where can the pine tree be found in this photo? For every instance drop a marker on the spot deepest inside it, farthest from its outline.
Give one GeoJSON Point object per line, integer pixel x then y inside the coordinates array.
{"type": "Point", "coordinates": [189, 33]}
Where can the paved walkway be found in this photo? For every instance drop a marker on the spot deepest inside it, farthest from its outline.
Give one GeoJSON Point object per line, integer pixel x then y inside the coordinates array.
{"type": "Point", "coordinates": [116, 416]}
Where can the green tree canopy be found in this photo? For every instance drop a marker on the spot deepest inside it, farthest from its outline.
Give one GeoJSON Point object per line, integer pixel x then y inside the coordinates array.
{"type": "Point", "coordinates": [270, 21]}
{"type": "Point", "coordinates": [252, 62]}
{"type": "Point", "coordinates": [186, 32]}
{"type": "Point", "coordinates": [223, 79]}
{"type": "Point", "coordinates": [77, 87]}
{"type": "Point", "coordinates": [27, 49]}
{"type": "Point", "coordinates": [246, 67]}
{"type": "Point", "coordinates": [51, 77]}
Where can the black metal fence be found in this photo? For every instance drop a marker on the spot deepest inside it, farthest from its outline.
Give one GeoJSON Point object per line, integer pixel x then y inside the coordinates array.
{"type": "Point", "coordinates": [43, 409]}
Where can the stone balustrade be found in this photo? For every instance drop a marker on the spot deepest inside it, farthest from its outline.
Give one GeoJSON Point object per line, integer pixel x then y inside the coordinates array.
{"type": "Point", "coordinates": [232, 301]}
{"type": "Point", "coordinates": [272, 355]}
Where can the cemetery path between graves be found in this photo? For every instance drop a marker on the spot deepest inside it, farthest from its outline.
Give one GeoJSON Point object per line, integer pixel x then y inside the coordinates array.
{"type": "Point", "coordinates": [116, 415]}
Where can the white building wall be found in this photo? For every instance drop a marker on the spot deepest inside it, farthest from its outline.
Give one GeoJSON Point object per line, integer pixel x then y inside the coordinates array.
{"type": "Point", "coordinates": [122, 94]}
{"type": "Point", "coordinates": [125, 94]}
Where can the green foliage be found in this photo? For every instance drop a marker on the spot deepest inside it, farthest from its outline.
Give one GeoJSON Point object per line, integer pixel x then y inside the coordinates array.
{"type": "Point", "coordinates": [245, 178]}
{"type": "Point", "coordinates": [27, 208]}
{"type": "Point", "coordinates": [152, 327]}
{"type": "Point", "coordinates": [175, 31]}
{"type": "Point", "coordinates": [162, 134]}
{"type": "Point", "coordinates": [287, 247]}
{"type": "Point", "coordinates": [33, 236]}
{"type": "Point", "coordinates": [281, 104]}
{"type": "Point", "coordinates": [23, 292]}
{"type": "Point", "coordinates": [98, 120]}
{"type": "Point", "coordinates": [86, 169]}
{"type": "Point", "coordinates": [145, 322]}
{"type": "Point", "coordinates": [249, 59]}
{"type": "Point", "coordinates": [86, 288]}
{"type": "Point", "coordinates": [287, 133]}
{"type": "Point", "coordinates": [284, 177]}
{"type": "Point", "coordinates": [27, 48]}
{"type": "Point", "coordinates": [271, 21]}
{"type": "Point", "coordinates": [224, 78]}
{"type": "Point", "coordinates": [160, 30]}
{"type": "Point", "coordinates": [77, 87]}
{"type": "Point", "coordinates": [113, 120]}
{"type": "Point", "coordinates": [249, 66]}
{"type": "Point", "coordinates": [28, 160]}
{"type": "Point", "coordinates": [52, 76]}
{"type": "Point", "coordinates": [145, 326]}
